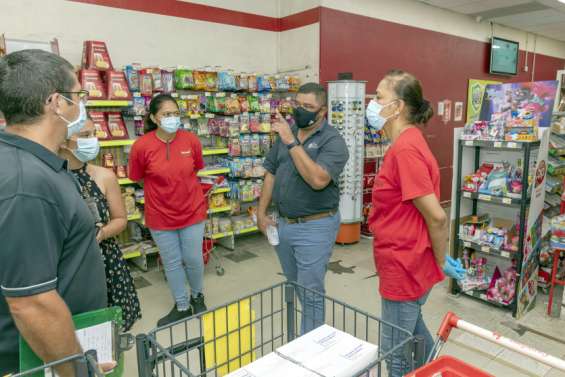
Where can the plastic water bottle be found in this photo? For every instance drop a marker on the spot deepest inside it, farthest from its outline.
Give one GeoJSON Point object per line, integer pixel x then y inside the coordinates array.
{"type": "Point", "coordinates": [272, 232]}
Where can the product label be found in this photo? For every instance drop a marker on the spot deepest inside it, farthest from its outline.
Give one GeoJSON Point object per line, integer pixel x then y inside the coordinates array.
{"type": "Point", "coordinates": [486, 198]}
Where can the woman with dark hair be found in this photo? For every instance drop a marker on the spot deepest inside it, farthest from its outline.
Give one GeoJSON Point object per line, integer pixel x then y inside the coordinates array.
{"type": "Point", "coordinates": [409, 225]}
{"type": "Point", "coordinates": [167, 159]}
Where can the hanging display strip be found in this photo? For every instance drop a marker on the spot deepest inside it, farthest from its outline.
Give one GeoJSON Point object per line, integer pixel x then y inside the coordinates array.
{"type": "Point", "coordinates": [346, 103]}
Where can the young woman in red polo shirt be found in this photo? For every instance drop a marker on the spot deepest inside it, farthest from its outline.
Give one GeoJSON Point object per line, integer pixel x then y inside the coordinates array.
{"type": "Point", "coordinates": [410, 227]}
{"type": "Point", "coordinates": [167, 159]}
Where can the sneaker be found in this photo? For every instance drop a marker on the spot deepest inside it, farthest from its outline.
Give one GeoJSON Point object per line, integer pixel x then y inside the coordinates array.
{"type": "Point", "coordinates": [197, 303]}
{"type": "Point", "coordinates": [173, 316]}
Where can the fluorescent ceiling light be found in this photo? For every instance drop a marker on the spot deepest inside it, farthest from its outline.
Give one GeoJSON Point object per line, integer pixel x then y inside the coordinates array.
{"type": "Point", "coordinates": [561, 1]}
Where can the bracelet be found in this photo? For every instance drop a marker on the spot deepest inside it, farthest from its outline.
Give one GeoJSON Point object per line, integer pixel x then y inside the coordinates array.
{"type": "Point", "coordinates": [295, 143]}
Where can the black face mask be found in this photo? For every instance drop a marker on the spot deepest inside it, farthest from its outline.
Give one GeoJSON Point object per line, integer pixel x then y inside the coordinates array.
{"type": "Point", "coordinates": [304, 118]}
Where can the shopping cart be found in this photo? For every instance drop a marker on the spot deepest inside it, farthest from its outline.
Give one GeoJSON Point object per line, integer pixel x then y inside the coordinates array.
{"type": "Point", "coordinates": [450, 366]}
{"type": "Point", "coordinates": [228, 337]}
{"type": "Point", "coordinates": [84, 365]}
{"type": "Point", "coordinates": [209, 185]}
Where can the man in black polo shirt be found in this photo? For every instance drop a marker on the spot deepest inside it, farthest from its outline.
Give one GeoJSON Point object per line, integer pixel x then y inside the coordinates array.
{"type": "Point", "coordinates": [302, 178]}
{"type": "Point", "coordinates": [50, 266]}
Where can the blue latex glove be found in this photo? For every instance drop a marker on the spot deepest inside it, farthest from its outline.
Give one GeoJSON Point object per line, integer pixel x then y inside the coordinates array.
{"type": "Point", "coordinates": [453, 268]}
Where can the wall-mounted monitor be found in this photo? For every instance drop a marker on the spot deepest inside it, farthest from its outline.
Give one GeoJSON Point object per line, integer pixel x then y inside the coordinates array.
{"type": "Point", "coordinates": [504, 57]}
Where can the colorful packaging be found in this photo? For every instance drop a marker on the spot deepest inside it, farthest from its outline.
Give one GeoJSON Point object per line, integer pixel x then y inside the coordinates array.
{"type": "Point", "coordinates": [254, 122]}
{"type": "Point", "coordinates": [146, 82]}
{"type": "Point", "coordinates": [117, 127]}
{"type": "Point", "coordinates": [199, 80]}
{"type": "Point", "coordinates": [132, 76]}
{"type": "Point", "coordinates": [184, 79]}
{"type": "Point", "coordinates": [139, 106]}
{"type": "Point", "coordinates": [243, 104]}
{"type": "Point", "coordinates": [252, 83]}
{"type": "Point", "coordinates": [167, 81]}
{"type": "Point", "coordinates": [157, 81]}
{"type": "Point", "coordinates": [95, 56]}
{"type": "Point", "coordinates": [263, 84]}
{"type": "Point", "coordinates": [90, 80]}
{"type": "Point", "coordinates": [100, 125]}
{"type": "Point", "coordinates": [226, 81]}
{"type": "Point", "coordinates": [193, 104]}
{"type": "Point", "coordinates": [117, 87]}
{"type": "Point", "coordinates": [265, 104]}
{"type": "Point", "coordinates": [265, 125]}
{"type": "Point", "coordinates": [242, 82]}
{"type": "Point", "coordinates": [183, 106]}
{"type": "Point", "coordinates": [212, 81]}
{"type": "Point", "coordinates": [254, 106]}
{"type": "Point", "coordinates": [139, 127]}
{"type": "Point", "coordinates": [232, 105]}
{"type": "Point", "coordinates": [282, 83]}
{"type": "Point", "coordinates": [293, 83]}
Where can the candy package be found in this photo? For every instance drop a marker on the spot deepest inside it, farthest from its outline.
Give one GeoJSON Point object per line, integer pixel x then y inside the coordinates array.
{"type": "Point", "coordinates": [293, 83]}
{"type": "Point", "coordinates": [282, 83]}
{"type": "Point", "coordinates": [200, 80]}
{"type": "Point", "coordinates": [100, 125]}
{"type": "Point", "coordinates": [254, 106]}
{"type": "Point", "coordinates": [245, 142]}
{"type": "Point", "coordinates": [242, 82]}
{"type": "Point", "coordinates": [90, 80]}
{"type": "Point", "coordinates": [265, 144]}
{"type": "Point", "coordinates": [157, 80]}
{"type": "Point", "coordinates": [117, 127]}
{"type": "Point", "coordinates": [184, 79]}
{"type": "Point", "coordinates": [265, 125]}
{"type": "Point", "coordinates": [203, 129]}
{"type": "Point", "coordinates": [95, 56]}
{"type": "Point", "coordinates": [108, 161]}
{"type": "Point", "coordinates": [121, 171]}
{"type": "Point", "coordinates": [243, 104]}
{"type": "Point", "coordinates": [265, 104]}
{"type": "Point", "coordinates": [193, 106]}
{"type": "Point", "coordinates": [232, 105]}
{"type": "Point", "coordinates": [145, 82]}
{"type": "Point", "coordinates": [183, 105]}
{"type": "Point", "coordinates": [212, 81]}
{"type": "Point", "coordinates": [252, 83]}
{"type": "Point", "coordinates": [286, 106]}
{"type": "Point", "coordinates": [263, 84]}
{"type": "Point", "coordinates": [132, 76]}
{"type": "Point", "coordinates": [235, 147]}
{"type": "Point", "coordinates": [255, 145]}
{"type": "Point", "coordinates": [139, 127]}
{"type": "Point", "coordinates": [117, 87]}
{"type": "Point", "coordinates": [254, 122]}
{"type": "Point", "coordinates": [167, 81]}
{"type": "Point", "coordinates": [226, 81]}
{"type": "Point", "coordinates": [234, 127]}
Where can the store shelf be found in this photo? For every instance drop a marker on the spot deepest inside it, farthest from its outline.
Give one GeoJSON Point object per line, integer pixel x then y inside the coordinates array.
{"type": "Point", "coordinates": [108, 103]}
{"type": "Point", "coordinates": [220, 209]}
{"type": "Point", "coordinates": [486, 249]}
{"type": "Point", "coordinates": [248, 230]}
{"type": "Point", "coordinates": [135, 217]}
{"type": "Point", "coordinates": [498, 144]}
{"type": "Point", "coordinates": [203, 173]}
{"type": "Point", "coordinates": [501, 200]}
{"type": "Point", "coordinates": [115, 143]}
{"type": "Point", "coordinates": [217, 151]}
{"type": "Point", "coordinates": [221, 190]}
{"type": "Point", "coordinates": [218, 236]}
{"type": "Point", "coordinates": [481, 295]}
{"type": "Point", "coordinates": [125, 181]}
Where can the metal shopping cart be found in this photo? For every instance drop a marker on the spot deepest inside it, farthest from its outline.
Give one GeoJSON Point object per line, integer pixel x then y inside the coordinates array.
{"type": "Point", "coordinates": [209, 186]}
{"type": "Point", "coordinates": [228, 337]}
{"type": "Point", "coordinates": [84, 365]}
{"type": "Point", "coordinates": [450, 366]}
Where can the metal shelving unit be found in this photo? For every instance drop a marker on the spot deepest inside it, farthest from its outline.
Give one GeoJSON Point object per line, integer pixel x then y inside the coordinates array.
{"type": "Point", "coordinates": [521, 204]}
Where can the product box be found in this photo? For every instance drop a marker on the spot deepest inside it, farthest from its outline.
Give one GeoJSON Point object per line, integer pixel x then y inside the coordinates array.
{"type": "Point", "coordinates": [95, 56]}
{"type": "Point", "coordinates": [272, 365]}
{"type": "Point", "coordinates": [116, 86]}
{"type": "Point", "coordinates": [330, 352]}
{"type": "Point", "coordinates": [90, 80]}
{"type": "Point", "coordinates": [117, 126]}
{"type": "Point", "coordinates": [101, 125]}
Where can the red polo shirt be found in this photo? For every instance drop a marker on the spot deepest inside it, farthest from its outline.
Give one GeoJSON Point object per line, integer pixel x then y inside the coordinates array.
{"type": "Point", "coordinates": [402, 246]}
{"type": "Point", "coordinates": [173, 195]}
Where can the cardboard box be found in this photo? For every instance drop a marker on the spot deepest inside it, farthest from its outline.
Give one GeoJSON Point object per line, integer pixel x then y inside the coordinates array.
{"type": "Point", "coordinates": [117, 86]}
{"type": "Point", "coordinates": [101, 125]}
{"type": "Point", "coordinates": [272, 365]}
{"type": "Point", "coordinates": [90, 80]}
{"type": "Point", "coordinates": [330, 352]}
{"type": "Point", "coordinates": [117, 126]}
{"type": "Point", "coordinates": [95, 56]}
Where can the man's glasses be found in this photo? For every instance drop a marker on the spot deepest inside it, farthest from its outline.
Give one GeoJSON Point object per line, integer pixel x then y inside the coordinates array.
{"type": "Point", "coordinates": [82, 95]}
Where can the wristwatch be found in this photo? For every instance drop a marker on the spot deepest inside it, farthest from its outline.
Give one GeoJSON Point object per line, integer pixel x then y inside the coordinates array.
{"type": "Point", "coordinates": [293, 144]}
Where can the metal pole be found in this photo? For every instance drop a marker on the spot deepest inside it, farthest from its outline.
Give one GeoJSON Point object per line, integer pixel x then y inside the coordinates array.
{"type": "Point", "coordinates": [455, 246]}
{"type": "Point", "coordinates": [289, 293]}
{"type": "Point", "coordinates": [419, 351]}
{"type": "Point", "coordinates": [142, 353]}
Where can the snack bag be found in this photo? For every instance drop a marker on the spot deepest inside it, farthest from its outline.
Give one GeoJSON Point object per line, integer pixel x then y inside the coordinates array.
{"type": "Point", "coordinates": [235, 147]}
{"type": "Point", "coordinates": [254, 122]}
{"type": "Point", "coordinates": [232, 105]}
{"type": "Point", "coordinates": [242, 82]}
{"type": "Point", "coordinates": [212, 81]}
{"type": "Point", "coordinates": [200, 80]}
{"type": "Point", "coordinates": [167, 81]}
{"type": "Point", "coordinates": [183, 105]}
{"type": "Point", "coordinates": [108, 161]}
{"type": "Point", "coordinates": [145, 82]}
{"type": "Point", "coordinates": [117, 126]}
{"type": "Point", "coordinates": [184, 79]}
{"type": "Point", "coordinates": [255, 145]}
{"type": "Point", "coordinates": [193, 105]}
{"type": "Point", "coordinates": [272, 83]}
{"type": "Point", "coordinates": [90, 80]}
{"type": "Point", "coordinates": [157, 81]}
{"type": "Point", "coordinates": [139, 127]}
{"type": "Point", "coordinates": [121, 171]}
{"type": "Point", "coordinates": [100, 125]}
{"type": "Point", "coordinates": [96, 56]}
{"type": "Point", "coordinates": [293, 83]}
{"type": "Point", "coordinates": [203, 104]}
{"type": "Point", "coordinates": [243, 122]}
{"type": "Point", "coordinates": [265, 104]}
{"type": "Point", "coordinates": [245, 142]}
{"type": "Point", "coordinates": [282, 83]}
{"type": "Point", "coordinates": [203, 129]}
{"type": "Point", "coordinates": [226, 81]}
{"type": "Point", "coordinates": [139, 106]}
{"type": "Point", "coordinates": [252, 83]}
{"type": "Point", "coordinates": [263, 84]}
{"type": "Point", "coordinates": [132, 76]}
{"type": "Point", "coordinates": [265, 126]}
{"type": "Point", "coordinates": [117, 87]}
{"type": "Point", "coordinates": [243, 104]}
{"type": "Point", "coordinates": [254, 106]}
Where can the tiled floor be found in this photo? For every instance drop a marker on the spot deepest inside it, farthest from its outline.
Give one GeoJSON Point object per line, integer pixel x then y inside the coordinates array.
{"type": "Point", "coordinates": [353, 281]}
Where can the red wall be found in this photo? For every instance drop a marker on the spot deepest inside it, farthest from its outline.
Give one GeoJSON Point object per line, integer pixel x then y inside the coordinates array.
{"type": "Point", "coordinates": [444, 63]}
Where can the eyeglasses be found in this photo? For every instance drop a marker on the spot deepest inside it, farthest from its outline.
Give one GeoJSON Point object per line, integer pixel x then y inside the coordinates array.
{"type": "Point", "coordinates": [82, 95]}
{"type": "Point", "coordinates": [170, 114]}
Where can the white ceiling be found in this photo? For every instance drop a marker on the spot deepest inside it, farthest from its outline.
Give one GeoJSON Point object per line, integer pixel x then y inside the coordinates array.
{"type": "Point", "coordinates": [543, 17]}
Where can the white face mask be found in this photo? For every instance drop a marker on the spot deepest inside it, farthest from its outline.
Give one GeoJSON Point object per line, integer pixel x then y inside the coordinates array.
{"type": "Point", "coordinates": [75, 126]}
{"type": "Point", "coordinates": [373, 114]}
{"type": "Point", "coordinates": [87, 148]}
{"type": "Point", "coordinates": [170, 124]}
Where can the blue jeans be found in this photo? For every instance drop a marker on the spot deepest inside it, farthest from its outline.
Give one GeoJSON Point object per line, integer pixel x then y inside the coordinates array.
{"type": "Point", "coordinates": [304, 252]}
{"type": "Point", "coordinates": [181, 253]}
{"type": "Point", "coordinates": [408, 316]}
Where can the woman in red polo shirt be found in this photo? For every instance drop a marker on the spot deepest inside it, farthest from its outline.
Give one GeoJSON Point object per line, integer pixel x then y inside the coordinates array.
{"type": "Point", "coordinates": [167, 159]}
{"type": "Point", "coordinates": [410, 227]}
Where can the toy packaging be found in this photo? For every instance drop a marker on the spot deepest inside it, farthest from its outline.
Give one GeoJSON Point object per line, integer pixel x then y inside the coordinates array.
{"type": "Point", "coordinates": [117, 126]}
{"type": "Point", "coordinates": [100, 125]}
{"type": "Point", "coordinates": [90, 80]}
{"type": "Point", "coordinates": [117, 87]}
{"type": "Point", "coordinates": [502, 287]}
{"type": "Point", "coordinates": [95, 56]}
{"type": "Point", "coordinates": [522, 126]}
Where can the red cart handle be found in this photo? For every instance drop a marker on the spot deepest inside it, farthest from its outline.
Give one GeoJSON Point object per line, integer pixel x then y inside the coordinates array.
{"type": "Point", "coordinates": [449, 322]}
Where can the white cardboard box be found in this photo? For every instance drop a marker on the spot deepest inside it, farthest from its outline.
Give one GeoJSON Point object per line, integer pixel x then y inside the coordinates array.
{"type": "Point", "coordinates": [330, 352]}
{"type": "Point", "coordinates": [272, 365]}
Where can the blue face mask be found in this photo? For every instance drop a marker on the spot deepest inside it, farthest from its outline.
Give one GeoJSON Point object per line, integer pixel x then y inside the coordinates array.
{"type": "Point", "coordinates": [373, 114]}
{"type": "Point", "coordinates": [87, 148]}
{"type": "Point", "coordinates": [75, 126]}
{"type": "Point", "coordinates": [170, 124]}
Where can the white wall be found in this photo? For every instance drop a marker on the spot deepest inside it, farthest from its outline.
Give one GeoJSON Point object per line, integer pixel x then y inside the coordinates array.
{"type": "Point", "coordinates": [145, 38]}
{"type": "Point", "coordinates": [417, 14]}
{"type": "Point", "coordinates": [299, 52]}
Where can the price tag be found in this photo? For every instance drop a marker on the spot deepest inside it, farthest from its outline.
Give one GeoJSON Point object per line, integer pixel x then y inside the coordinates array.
{"type": "Point", "coordinates": [233, 95]}
{"type": "Point", "coordinates": [192, 96]}
{"type": "Point", "coordinates": [207, 94]}
{"type": "Point", "coordinates": [137, 118]}
{"type": "Point", "coordinates": [255, 94]}
{"type": "Point", "coordinates": [195, 116]}
{"type": "Point", "coordinates": [467, 194]}
{"type": "Point", "coordinates": [512, 145]}
{"type": "Point", "coordinates": [137, 94]}
{"type": "Point", "coordinates": [486, 198]}
{"type": "Point", "coordinates": [506, 200]}
{"type": "Point", "coordinates": [469, 143]}
{"type": "Point", "coordinates": [483, 296]}
{"type": "Point", "coordinates": [497, 144]}
{"type": "Point", "coordinates": [485, 249]}
{"type": "Point", "coordinates": [210, 115]}
{"type": "Point", "coordinates": [505, 254]}
{"type": "Point", "coordinates": [466, 244]}
{"type": "Point", "coordinates": [220, 95]}
{"type": "Point", "coordinates": [174, 95]}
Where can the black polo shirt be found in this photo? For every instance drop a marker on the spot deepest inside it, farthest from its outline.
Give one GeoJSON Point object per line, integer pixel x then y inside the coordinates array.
{"type": "Point", "coordinates": [47, 237]}
{"type": "Point", "coordinates": [292, 196]}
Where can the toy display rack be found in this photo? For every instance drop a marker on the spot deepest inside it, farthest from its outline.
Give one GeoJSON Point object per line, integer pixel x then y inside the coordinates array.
{"type": "Point", "coordinates": [521, 204]}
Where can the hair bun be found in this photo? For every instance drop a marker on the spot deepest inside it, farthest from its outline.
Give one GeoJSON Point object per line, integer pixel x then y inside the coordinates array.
{"type": "Point", "coordinates": [425, 112]}
{"type": "Point", "coordinates": [424, 106]}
